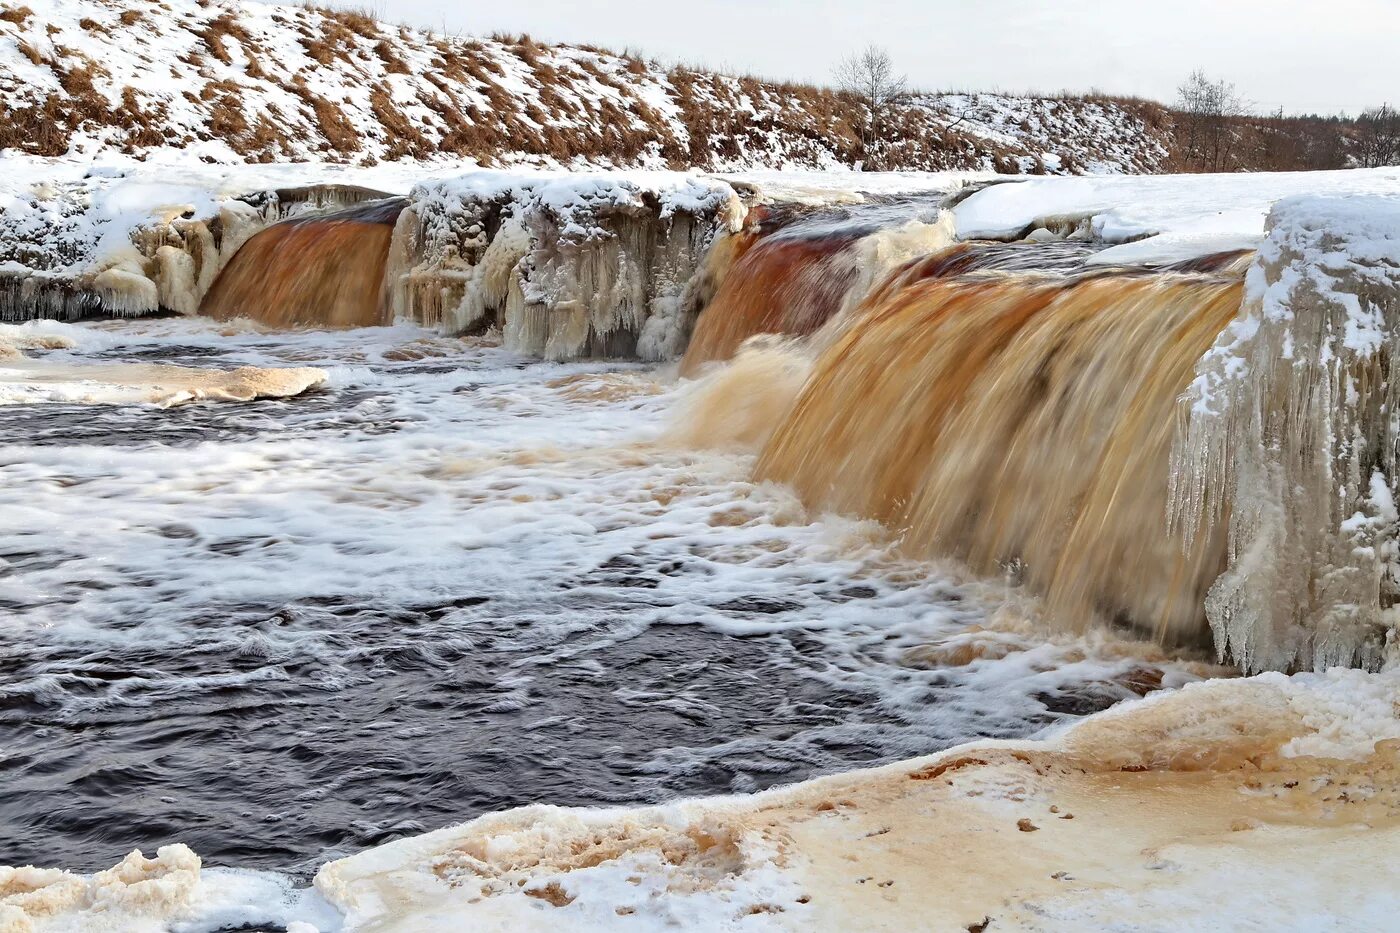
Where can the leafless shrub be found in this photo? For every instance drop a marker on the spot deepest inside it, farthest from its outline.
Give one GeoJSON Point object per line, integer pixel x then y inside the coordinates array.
{"type": "Point", "coordinates": [1378, 137]}
{"type": "Point", "coordinates": [1207, 109]}
{"type": "Point", "coordinates": [869, 78]}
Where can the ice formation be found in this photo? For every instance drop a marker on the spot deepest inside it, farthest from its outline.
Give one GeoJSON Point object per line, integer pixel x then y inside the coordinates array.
{"type": "Point", "coordinates": [567, 266]}
{"type": "Point", "coordinates": [1292, 816]}
{"type": "Point", "coordinates": [79, 241]}
{"type": "Point", "coordinates": [1291, 437]}
{"type": "Point", "coordinates": [68, 377]}
{"type": "Point", "coordinates": [1154, 220]}
{"type": "Point", "coordinates": [137, 895]}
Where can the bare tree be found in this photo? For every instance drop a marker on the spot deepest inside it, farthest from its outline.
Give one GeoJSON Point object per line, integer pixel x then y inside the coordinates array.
{"type": "Point", "coordinates": [1378, 137]}
{"type": "Point", "coordinates": [870, 78]}
{"type": "Point", "coordinates": [1205, 133]}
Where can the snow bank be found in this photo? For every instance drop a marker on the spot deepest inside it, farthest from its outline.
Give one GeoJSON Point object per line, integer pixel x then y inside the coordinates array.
{"type": "Point", "coordinates": [1154, 220]}
{"type": "Point", "coordinates": [1264, 803]}
{"type": "Point", "coordinates": [33, 381]}
{"type": "Point", "coordinates": [1253, 802]}
{"type": "Point", "coordinates": [137, 894]}
{"type": "Point", "coordinates": [1291, 433]}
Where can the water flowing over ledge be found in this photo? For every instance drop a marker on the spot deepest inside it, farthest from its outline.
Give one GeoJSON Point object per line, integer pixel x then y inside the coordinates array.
{"type": "Point", "coordinates": [1039, 419]}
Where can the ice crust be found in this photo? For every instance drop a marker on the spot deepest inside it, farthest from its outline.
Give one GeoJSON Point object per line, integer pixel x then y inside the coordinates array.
{"type": "Point", "coordinates": [69, 378]}
{"type": "Point", "coordinates": [1240, 804]}
{"type": "Point", "coordinates": [1155, 220]}
{"type": "Point", "coordinates": [565, 265]}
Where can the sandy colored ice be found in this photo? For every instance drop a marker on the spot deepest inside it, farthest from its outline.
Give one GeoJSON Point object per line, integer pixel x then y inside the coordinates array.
{"type": "Point", "coordinates": [1256, 804]}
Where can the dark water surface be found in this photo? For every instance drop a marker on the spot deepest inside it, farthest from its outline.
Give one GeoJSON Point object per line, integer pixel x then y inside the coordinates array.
{"type": "Point", "coordinates": [447, 583]}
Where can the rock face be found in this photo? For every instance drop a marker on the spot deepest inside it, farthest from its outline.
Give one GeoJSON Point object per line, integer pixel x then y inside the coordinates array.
{"type": "Point", "coordinates": [565, 266]}
{"type": "Point", "coordinates": [1291, 438]}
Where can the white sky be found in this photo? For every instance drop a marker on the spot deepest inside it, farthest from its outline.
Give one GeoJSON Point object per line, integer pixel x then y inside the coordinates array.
{"type": "Point", "coordinates": [1304, 55]}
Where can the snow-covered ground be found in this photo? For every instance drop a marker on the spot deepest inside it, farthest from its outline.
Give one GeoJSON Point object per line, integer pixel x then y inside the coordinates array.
{"type": "Point", "coordinates": [1157, 219]}
{"type": "Point", "coordinates": [236, 81]}
{"type": "Point", "coordinates": [70, 218]}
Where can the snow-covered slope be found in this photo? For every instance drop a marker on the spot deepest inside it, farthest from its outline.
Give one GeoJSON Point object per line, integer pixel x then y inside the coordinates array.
{"type": "Point", "coordinates": [235, 81]}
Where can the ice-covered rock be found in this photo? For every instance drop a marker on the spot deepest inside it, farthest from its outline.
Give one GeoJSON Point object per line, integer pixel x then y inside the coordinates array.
{"type": "Point", "coordinates": [566, 265]}
{"type": "Point", "coordinates": [1291, 436]}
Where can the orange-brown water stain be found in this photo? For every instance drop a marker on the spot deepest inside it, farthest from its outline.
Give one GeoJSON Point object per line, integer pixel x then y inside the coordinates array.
{"type": "Point", "coordinates": [776, 285]}
{"type": "Point", "coordinates": [326, 272]}
{"type": "Point", "coordinates": [1019, 422]}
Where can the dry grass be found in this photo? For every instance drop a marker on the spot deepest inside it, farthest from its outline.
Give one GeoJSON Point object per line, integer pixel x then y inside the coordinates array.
{"type": "Point", "coordinates": [225, 25]}
{"type": "Point", "coordinates": [362, 22]}
{"type": "Point", "coordinates": [31, 53]}
{"type": "Point", "coordinates": [406, 141]}
{"type": "Point", "coordinates": [474, 114]}
{"type": "Point", "coordinates": [339, 133]}
{"type": "Point", "coordinates": [393, 64]}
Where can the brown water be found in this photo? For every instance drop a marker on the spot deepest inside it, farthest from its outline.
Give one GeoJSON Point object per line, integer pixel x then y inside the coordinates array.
{"type": "Point", "coordinates": [1023, 425]}
{"type": "Point", "coordinates": [323, 271]}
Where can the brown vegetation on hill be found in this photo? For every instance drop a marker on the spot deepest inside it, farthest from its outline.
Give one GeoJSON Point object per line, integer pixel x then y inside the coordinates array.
{"type": "Point", "coordinates": [352, 88]}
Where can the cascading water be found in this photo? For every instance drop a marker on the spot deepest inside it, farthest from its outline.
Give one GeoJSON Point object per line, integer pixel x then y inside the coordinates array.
{"type": "Point", "coordinates": [326, 270]}
{"type": "Point", "coordinates": [791, 273]}
{"type": "Point", "coordinates": [1020, 425]}
{"type": "Point", "coordinates": [465, 579]}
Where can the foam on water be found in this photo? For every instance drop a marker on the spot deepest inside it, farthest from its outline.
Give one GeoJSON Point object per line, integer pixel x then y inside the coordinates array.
{"type": "Point", "coordinates": [452, 580]}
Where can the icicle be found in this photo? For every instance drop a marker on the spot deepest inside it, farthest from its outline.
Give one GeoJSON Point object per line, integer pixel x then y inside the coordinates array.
{"type": "Point", "coordinates": [1290, 435]}
{"type": "Point", "coordinates": [570, 267]}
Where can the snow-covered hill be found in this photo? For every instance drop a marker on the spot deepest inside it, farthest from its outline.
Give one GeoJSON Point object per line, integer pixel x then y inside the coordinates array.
{"type": "Point", "coordinates": [235, 81]}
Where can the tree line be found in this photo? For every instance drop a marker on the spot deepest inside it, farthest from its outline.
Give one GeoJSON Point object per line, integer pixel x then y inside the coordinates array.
{"type": "Point", "coordinates": [1211, 126]}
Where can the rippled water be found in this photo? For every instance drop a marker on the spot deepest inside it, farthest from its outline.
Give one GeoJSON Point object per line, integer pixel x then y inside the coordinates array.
{"type": "Point", "coordinates": [451, 581]}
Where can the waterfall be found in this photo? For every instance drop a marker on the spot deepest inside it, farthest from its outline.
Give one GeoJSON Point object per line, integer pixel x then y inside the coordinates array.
{"type": "Point", "coordinates": [1023, 425]}
{"type": "Point", "coordinates": [793, 275]}
{"type": "Point", "coordinates": [325, 270]}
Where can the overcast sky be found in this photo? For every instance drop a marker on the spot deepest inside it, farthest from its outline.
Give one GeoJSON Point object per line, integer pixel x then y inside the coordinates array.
{"type": "Point", "coordinates": [1304, 55]}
